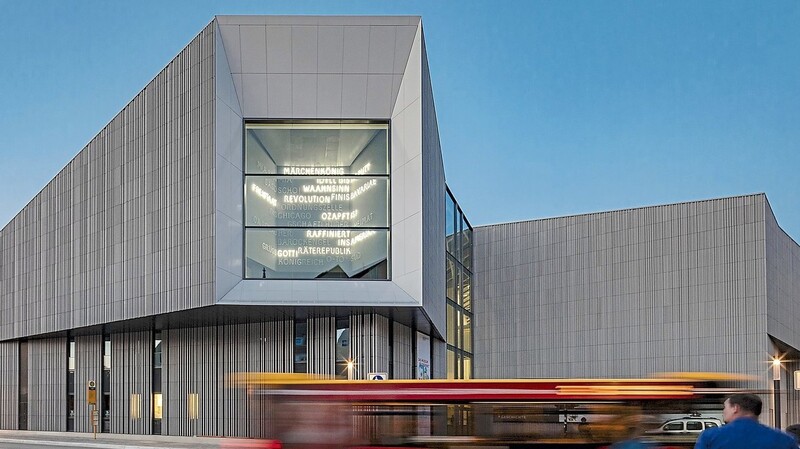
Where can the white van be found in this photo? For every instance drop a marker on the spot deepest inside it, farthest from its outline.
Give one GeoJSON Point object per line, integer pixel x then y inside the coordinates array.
{"type": "Point", "coordinates": [687, 425]}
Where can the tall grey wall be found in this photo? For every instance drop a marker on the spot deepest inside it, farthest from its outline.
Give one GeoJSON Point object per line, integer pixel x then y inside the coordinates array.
{"type": "Point", "coordinates": [9, 385]}
{"type": "Point", "coordinates": [369, 340]}
{"type": "Point", "coordinates": [88, 366]}
{"type": "Point", "coordinates": [126, 228]}
{"type": "Point", "coordinates": [47, 384]}
{"type": "Point", "coordinates": [783, 283]}
{"type": "Point", "coordinates": [229, 173]}
{"type": "Point", "coordinates": [783, 309]}
{"type": "Point", "coordinates": [678, 287]}
{"type": "Point", "coordinates": [321, 347]}
{"type": "Point", "coordinates": [403, 352]}
{"type": "Point", "coordinates": [196, 361]}
{"type": "Point", "coordinates": [433, 212]}
{"type": "Point", "coordinates": [131, 382]}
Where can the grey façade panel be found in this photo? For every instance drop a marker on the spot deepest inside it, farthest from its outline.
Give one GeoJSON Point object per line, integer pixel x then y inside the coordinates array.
{"type": "Point", "coordinates": [131, 382]}
{"type": "Point", "coordinates": [88, 366]}
{"type": "Point", "coordinates": [623, 293]}
{"type": "Point", "coordinates": [228, 174]}
{"type": "Point", "coordinates": [47, 384]}
{"type": "Point", "coordinates": [106, 226]}
{"type": "Point", "coordinates": [9, 385]}
{"type": "Point", "coordinates": [304, 49]}
{"type": "Point", "coordinates": [782, 281]}
{"type": "Point", "coordinates": [356, 46]}
{"type": "Point", "coordinates": [433, 213]}
{"type": "Point", "coordinates": [253, 40]}
{"type": "Point", "coordinates": [330, 49]}
{"type": "Point", "coordinates": [407, 177]}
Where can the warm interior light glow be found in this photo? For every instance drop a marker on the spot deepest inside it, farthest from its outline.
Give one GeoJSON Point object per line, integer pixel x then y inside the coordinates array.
{"type": "Point", "coordinates": [193, 405]}
{"type": "Point", "coordinates": [776, 362]}
{"type": "Point", "coordinates": [136, 406]}
{"type": "Point", "coordinates": [158, 411]}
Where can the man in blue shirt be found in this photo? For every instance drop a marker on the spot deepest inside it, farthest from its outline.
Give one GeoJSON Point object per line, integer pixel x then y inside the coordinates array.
{"type": "Point", "coordinates": [743, 431]}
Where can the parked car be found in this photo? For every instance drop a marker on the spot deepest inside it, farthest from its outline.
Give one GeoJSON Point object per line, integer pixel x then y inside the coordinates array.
{"type": "Point", "coordinates": [689, 424]}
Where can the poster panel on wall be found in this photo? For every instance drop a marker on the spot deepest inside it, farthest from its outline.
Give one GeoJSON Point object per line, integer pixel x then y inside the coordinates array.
{"type": "Point", "coordinates": [423, 356]}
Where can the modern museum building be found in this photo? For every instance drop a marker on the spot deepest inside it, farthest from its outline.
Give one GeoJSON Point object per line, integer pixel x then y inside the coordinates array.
{"type": "Point", "coordinates": [274, 200]}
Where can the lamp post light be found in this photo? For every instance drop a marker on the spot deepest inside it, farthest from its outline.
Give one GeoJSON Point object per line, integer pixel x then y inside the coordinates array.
{"type": "Point", "coordinates": [776, 389]}
{"type": "Point", "coordinates": [350, 365]}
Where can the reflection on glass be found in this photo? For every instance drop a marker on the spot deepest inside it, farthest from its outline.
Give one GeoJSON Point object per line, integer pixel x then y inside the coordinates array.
{"type": "Point", "coordinates": [157, 352]}
{"type": "Point", "coordinates": [289, 253]}
{"type": "Point", "coordinates": [317, 201]}
{"type": "Point", "coordinates": [466, 290]}
{"type": "Point", "coordinates": [452, 326]}
{"type": "Point", "coordinates": [71, 356]}
{"type": "Point", "coordinates": [107, 354]}
{"type": "Point", "coordinates": [317, 149]}
{"type": "Point", "coordinates": [466, 243]}
{"type": "Point", "coordinates": [451, 272]}
{"type": "Point", "coordinates": [300, 201]}
{"type": "Point", "coordinates": [451, 364]}
{"type": "Point", "coordinates": [467, 332]}
{"type": "Point", "coordinates": [458, 271]}
{"type": "Point", "coordinates": [300, 346]}
{"type": "Point", "coordinates": [450, 223]}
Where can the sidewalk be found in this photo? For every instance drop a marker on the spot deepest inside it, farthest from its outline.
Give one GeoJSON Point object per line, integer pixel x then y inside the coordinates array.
{"type": "Point", "coordinates": [120, 441]}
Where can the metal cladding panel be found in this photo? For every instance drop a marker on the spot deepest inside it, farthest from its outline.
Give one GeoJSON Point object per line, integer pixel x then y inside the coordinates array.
{"type": "Point", "coordinates": [403, 352]}
{"type": "Point", "coordinates": [791, 391]}
{"type": "Point", "coordinates": [234, 342]}
{"type": "Point", "coordinates": [782, 283]}
{"type": "Point", "coordinates": [439, 357]}
{"type": "Point", "coordinates": [88, 366]}
{"type": "Point", "coordinates": [288, 67]}
{"type": "Point", "coordinates": [47, 385]}
{"type": "Point", "coordinates": [229, 178]}
{"type": "Point", "coordinates": [321, 345]}
{"type": "Point", "coordinates": [626, 293]}
{"type": "Point", "coordinates": [433, 208]}
{"type": "Point", "coordinates": [131, 382]}
{"type": "Point", "coordinates": [369, 339]}
{"type": "Point", "coordinates": [193, 385]}
{"type": "Point", "coordinates": [9, 385]}
{"type": "Point", "coordinates": [196, 363]}
{"type": "Point", "coordinates": [126, 228]}
{"type": "Point", "coordinates": [407, 177]}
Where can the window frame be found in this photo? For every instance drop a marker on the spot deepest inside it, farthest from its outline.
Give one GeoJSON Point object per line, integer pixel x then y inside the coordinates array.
{"type": "Point", "coordinates": [387, 176]}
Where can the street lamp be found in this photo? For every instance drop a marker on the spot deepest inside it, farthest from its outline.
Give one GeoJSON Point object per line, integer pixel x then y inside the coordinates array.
{"type": "Point", "coordinates": [776, 388]}
{"type": "Point", "coordinates": [350, 365]}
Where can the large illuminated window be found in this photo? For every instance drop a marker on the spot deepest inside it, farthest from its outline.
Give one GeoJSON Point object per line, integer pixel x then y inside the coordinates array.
{"type": "Point", "coordinates": [316, 200]}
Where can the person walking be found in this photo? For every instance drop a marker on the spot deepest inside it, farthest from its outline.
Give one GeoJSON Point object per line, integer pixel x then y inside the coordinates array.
{"type": "Point", "coordinates": [742, 429]}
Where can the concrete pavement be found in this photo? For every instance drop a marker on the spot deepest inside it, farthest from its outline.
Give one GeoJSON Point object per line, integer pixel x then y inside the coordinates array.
{"type": "Point", "coordinates": [120, 441]}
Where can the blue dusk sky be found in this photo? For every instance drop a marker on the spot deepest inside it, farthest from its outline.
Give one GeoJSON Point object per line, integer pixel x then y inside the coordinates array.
{"type": "Point", "coordinates": [545, 108]}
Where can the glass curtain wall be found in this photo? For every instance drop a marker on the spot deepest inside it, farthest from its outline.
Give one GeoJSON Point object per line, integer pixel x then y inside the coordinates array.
{"type": "Point", "coordinates": [458, 244]}
{"type": "Point", "coordinates": [71, 385]}
{"type": "Point", "coordinates": [316, 200]}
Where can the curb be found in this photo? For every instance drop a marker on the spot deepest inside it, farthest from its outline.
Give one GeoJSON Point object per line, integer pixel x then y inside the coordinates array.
{"type": "Point", "coordinates": [74, 443]}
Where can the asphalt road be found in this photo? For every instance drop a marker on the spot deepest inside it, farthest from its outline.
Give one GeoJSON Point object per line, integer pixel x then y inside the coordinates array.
{"type": "Point", "coordinates": [32, 446]}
